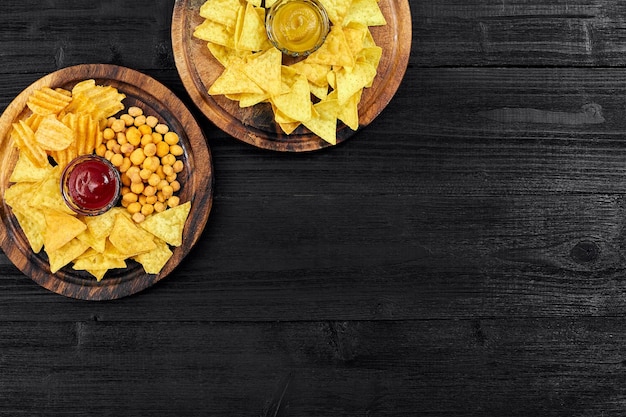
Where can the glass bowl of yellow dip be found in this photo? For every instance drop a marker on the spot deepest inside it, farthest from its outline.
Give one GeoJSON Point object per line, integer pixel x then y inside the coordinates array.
{"type": "Point", "coordinates": [297, 27]}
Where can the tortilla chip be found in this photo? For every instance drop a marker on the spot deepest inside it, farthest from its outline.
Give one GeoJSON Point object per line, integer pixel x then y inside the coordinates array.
{"type": "Point", "coordinates": [169, 224]}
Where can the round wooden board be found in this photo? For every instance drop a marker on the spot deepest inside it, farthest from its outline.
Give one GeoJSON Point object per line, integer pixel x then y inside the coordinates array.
{"type": "Point", "coordinates": [198, 70]}
{"type": "Point", "coordinates": [197, 183]}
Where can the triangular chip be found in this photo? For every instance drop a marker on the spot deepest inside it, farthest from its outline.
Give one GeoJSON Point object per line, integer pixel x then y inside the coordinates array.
{"type": "Point", "coordinates": [215, 32]}
{"type": "Point", "coordinates": [366, 12]}
{"type": "Point", "coordinates": [324, 121]}
{"type": "Point", "coordinates": [297, 103]}
{"type": "Point", "coordinates": [264, 69]}
{"type": "Point", "coordinates": [253, 36]}
{"type": "Point", "coordinates": [33, 224]}
{"type": "Point", "coordinates": [129, 239]}
{"type": "Point", "coordinates": [60, 229]}
{"type": "Point", "coordinates": [26, 171]}
{"type": "Point", "coordinates": [154, 260]}
{"type": "Point", "coordinates": [335, 51]}
{"type": "Point", "coordinates": [168, 225]}
{"type": "Point", "coordinates": [233, 81]}
{"type": "Point", "coordinates": [221, 11]}
{"type": "Point", "coordinates": [349, 83]}
{"type": "Point", "coordinates": [336, 10]}
{"type": "Point", "coordinates": [66, 254]}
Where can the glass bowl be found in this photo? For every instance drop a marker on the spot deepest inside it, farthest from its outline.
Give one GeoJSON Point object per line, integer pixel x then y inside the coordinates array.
{"type": "Point", "coordinates": [297, 27]}
{"type": "Point", "coordinates": [90, 185]}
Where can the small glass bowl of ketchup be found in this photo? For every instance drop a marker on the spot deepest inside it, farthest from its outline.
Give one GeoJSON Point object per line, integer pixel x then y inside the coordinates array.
{"type": "Point", "coordinates": [90, 185]}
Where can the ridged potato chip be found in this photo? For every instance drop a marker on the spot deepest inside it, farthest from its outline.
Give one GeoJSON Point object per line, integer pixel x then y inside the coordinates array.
{"type": "Point", "coordinates": [47, 101]}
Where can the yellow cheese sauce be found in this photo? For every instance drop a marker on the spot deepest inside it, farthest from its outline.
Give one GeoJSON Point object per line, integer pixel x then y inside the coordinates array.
{"type": "Point", "coordinates": [298, 26]}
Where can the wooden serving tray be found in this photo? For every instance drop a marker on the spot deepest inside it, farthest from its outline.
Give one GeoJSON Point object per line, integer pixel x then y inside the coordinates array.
{"type": "Point", "coordinates": [198, 70]}
{"type": "Point", "coordinates": [197, 185]}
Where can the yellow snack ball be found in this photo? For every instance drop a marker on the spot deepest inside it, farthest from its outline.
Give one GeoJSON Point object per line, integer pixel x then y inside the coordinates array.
{"type": "Point", "coordinates": [159, 206]}
{"type": "Point", "coordinates": [150, 149]}
{"type": "Point", "coordinates": [118, 125]}
{"type": "Point", "coordinates": [129, 197]}
{"type": "Point", "coordinates": [173, 201]}
{"type": "Point", "coordinates": [137, 187]}
{"type": "Point", "coordinates": [137, 156]}
{"type": "Point", "coordinates": [128, 119]}
{"type": "Point", "coordinates": [147, 209]}
{"type": "Point", "coordinates": [154, 179]}
{"type": "Point", "coordinates": [171, 138]}
{"type": "Point", "coordinates": [151, 163]}
{"type": "Point", "coordinates": [133, 135]}
{"type": "Point", "coordinates": [134, 207]}
{"type": "Point", "coordinates": [178, 166]}
{"type": "Point", "coordinates": [162, 149]}
{"type": "Point", "coordinates": [138, 217]}
{"type": "Point", "coordinates": [108, 133]}
{"type": "Point", "coordinates": [168, 159]}
{"type": "Point", "coordinates": [145, 129]}
{"type": "Point", "coordinates": [176, 150]}
{"type": "Point", "coordinates": [125, 165]}
{"type": "Point", "coordinates": [135, 111]}
{"type": "Point", "coordinates": [117, 160]}
{"type": "Point", "coordinates": [152, 121]}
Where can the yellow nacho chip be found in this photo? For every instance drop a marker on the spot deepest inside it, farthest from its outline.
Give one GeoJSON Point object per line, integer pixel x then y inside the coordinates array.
{"type": "Point", "coordinates": [129, 239]}
{"type": "Point", "coordinates": [214, 32]}
{"type": "Point", "coordinates": [154, 260]}
{"type": "Point", "coordinates": [264, 69]}
{"type": "Point", "coordinates": [64, 255]}
{"type": "Point", "coordinates": [234, 81]}
{"type": "Point", "coordinates": [335, 51]}
{"type": "Point", "coordinates": [251, 36]}
{"type": "Point", "coordinates": [221, 11]}
{"type": "Point", "coordinates": [169, 224]}
{"type": "Point", "coordinates": [366, 12]}
{"type": "Point", "coordinates": [26, 171]}
{"type": "Point", "coordinates": [33, 224]}
{"type": "Point", "coordinates": [324, 120]}
{"type": "Point", "coordinates": [296, 104]}
{"type": "Point", "coordinates": [60, 229]}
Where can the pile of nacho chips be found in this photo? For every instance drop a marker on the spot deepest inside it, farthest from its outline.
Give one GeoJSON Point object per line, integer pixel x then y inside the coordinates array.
{"type": "Point", "coordinates": [62, 126]}
{"type": "Point", "coordinates": [315, 92]}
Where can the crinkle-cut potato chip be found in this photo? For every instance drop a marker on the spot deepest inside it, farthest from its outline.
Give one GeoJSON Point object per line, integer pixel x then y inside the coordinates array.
{"type": "Point", "coordinates": [47, 101]}
{"type": "Point", "coordinates": [154, 260]}
{"type": "Point", "coordinates": [26, 171]}
{"type": "Point", "coordinates": [53, 135]}
{"type": "Point", "coordinates": [60, 229]}
{"type": "Point", "coordinates": [24, 138]}
{"type": "Point", "coordinates": [168, 225]}
{"type": "Point", "coordinates": [128, 238]}
{"type": "Point", "coordinates": [99, 101]}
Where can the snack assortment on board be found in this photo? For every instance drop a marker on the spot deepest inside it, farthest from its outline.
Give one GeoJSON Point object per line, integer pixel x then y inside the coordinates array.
{"type": "Point", "coordinates": [67, 124]}
{"type": "Point", "coordinates": [318, 90]}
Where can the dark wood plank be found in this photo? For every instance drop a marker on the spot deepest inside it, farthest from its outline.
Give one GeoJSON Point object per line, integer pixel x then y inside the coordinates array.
{"type": "Point", "coordinates": [427, 368]}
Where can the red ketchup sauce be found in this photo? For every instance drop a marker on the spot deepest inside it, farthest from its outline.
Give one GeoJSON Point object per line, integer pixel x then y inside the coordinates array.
{"type": "Point", "coordinates": [90, 185]}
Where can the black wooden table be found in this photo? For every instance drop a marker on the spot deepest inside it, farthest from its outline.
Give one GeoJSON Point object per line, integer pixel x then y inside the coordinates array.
{"type": "Point", "coordinates": [462, 255]}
